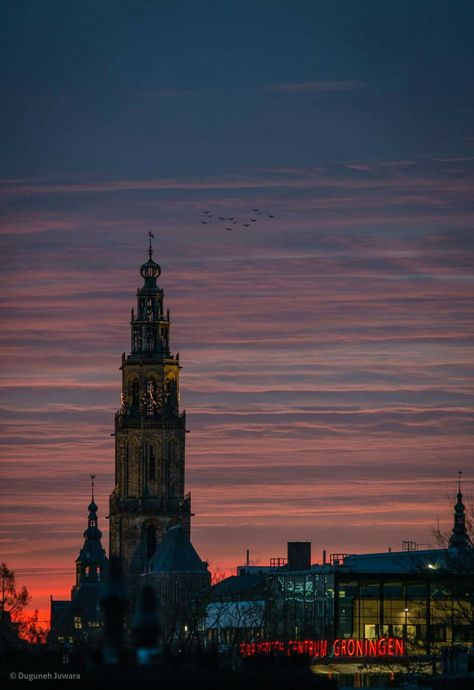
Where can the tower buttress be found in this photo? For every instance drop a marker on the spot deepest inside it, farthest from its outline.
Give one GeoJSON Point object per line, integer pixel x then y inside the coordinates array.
{"type": "Point", "coordinates": [149, 435]}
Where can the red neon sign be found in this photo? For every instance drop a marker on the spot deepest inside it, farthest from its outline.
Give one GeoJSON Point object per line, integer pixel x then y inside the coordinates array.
{"type": "Point", "coordinates": [342, 648]}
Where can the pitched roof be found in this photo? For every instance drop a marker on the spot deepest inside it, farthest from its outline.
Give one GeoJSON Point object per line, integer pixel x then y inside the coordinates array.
{"type": "Point", "coordinates": [238, 586]}
{"type": "Point", "coordinates": [85, 603]}
{"type": "Point", "coordinates": [176, 554]}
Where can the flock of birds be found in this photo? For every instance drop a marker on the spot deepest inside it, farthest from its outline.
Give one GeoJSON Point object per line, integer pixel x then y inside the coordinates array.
{"type": "Point", "coordinates": [232, 223]}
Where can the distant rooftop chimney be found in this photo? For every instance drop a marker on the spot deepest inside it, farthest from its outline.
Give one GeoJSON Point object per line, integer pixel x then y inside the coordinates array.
{"type": "Point", "coordinates": [299, 555]}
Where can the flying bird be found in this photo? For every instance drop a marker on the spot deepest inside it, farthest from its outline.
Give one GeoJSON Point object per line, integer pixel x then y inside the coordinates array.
{"type": "Point", "coordinates": [255, 210]}
{"type": "Point", "coordinates": [246, 225]}
{"type": "Point", "coordinates": [270, 216]}
{"type": "Point", "coordinates": [253, 220]}
{"type": "Point", "coordinates": [204, 222]}
{"type": "Point", "coordinates": [230, 229]}
{"type": "Point", "coordinates": [220, 218]}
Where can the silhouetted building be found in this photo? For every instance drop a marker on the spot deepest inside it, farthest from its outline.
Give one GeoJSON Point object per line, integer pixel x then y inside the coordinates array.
{"type": "Point", "coordinates": [358, 614]}
{"type": "Point", "coordinates": [459, 537]}
{"type": "Point", "coordinates": [177, 574]}
{"type": "Point", "coordinates": [150, 515]}
{"type": "Point", "coordinates": [79, 621]}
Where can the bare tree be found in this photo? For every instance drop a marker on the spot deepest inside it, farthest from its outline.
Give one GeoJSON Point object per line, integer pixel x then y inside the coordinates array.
{"type": "Point", "coordinates": [13, 601]}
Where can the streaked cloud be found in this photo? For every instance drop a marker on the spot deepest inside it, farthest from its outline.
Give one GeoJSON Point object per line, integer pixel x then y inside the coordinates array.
{"type": "Point", "coordinates": [319, 351]}
{"type": "Point", "coordinates": [317, 86]}
{"type": "Point", "coordinates": [166, 93]}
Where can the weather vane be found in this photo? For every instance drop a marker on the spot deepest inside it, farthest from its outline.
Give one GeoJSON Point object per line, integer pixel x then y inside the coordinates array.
{"type": "Point", "coordinates": [150, 248]}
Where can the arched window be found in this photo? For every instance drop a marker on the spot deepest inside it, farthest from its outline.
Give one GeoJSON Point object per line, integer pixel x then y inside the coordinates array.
{"type": "Point", "coordinates": [149, 309]}
{"type": "Point", "coordinates": [150, 541]}
{"type": "Point", "coordinates": [171, 391]}
{"type": "Point", "coordinates": [151, 462]}
{"type": "Point", "coordinates": [133, 484]}
{"type": "Point", "coordinates": [164, 338]}
{"type": "Point", "coordinates": [165, 468]}
{"type": "Point", "coordinates": [135, 393]}
{"type": "Point", "coordinates": [150, 338]}
{"type": "Point", "coordinates": [125, 470]}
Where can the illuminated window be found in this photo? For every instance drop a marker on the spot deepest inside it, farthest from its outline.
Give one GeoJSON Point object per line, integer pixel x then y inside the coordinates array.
{"type": "Point", "coordinates": [78, 623]}
{"type": "Point", "coordinates": [370, 632]}
{"type": "Point", "coordinates": [437, 633]}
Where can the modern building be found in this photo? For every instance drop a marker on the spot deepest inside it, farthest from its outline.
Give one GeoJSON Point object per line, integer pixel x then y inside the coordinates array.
{"type": "Point", "coordinates": [287, 600]}
{"type": "Point", "coordinates": [364, 617]}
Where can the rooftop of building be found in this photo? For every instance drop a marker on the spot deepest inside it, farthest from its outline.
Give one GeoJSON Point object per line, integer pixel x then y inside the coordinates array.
{"type": "Point", "coordinates": [237, 586]}
{"type": "Point", "coordinates": [176, 554]}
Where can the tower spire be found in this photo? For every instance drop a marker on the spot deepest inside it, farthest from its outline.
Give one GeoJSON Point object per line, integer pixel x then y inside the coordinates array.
{"type": "Point", "coordinates": [459, 537]}
{"type": "Point", "coordinates": [150, 247]}
{"type": "Point", "coordinates": [150, 270]}
{"type": "Point", "coordinates": [92, 560]}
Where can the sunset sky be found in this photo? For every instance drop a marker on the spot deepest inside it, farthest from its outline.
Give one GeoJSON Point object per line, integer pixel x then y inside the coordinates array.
{"type": "Point", "coordinates": [327, 352]}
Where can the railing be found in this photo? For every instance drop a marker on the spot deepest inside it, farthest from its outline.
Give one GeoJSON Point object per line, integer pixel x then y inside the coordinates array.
{"type": "Point", "coordinates": [278, 562]}
{"type": "Point", "coordinates": [161, 418]}
{"type": "Point", "coordinates": [158, 505]}
{"type": "Point", "coordinates": [145, 318]}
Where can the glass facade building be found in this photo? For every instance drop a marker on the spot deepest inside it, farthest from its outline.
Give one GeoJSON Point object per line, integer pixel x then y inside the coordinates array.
{"type": "Point", "coordinates": [427, 611]}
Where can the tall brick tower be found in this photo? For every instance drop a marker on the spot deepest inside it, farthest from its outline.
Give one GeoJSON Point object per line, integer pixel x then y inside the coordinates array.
{"type": "Point", "coordinates": [148, 497]}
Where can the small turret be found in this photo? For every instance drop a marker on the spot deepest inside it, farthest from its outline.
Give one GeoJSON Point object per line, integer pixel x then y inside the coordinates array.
{"type": "Point", "coordinates": [459, 537]}
{"type": "Point", "coordinates": [92, 561]}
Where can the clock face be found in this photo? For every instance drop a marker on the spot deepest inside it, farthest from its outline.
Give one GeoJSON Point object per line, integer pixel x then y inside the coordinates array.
{"type": "Point", "coordinates": [153, 398]}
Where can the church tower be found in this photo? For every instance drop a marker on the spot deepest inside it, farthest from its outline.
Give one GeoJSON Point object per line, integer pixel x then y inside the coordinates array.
{"type": "Point", "coordinates": [459, 538]}
{"type": "Point", "coordinates": [148, 497]}
{"type": "Point", "coordinates": [91, 564]}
